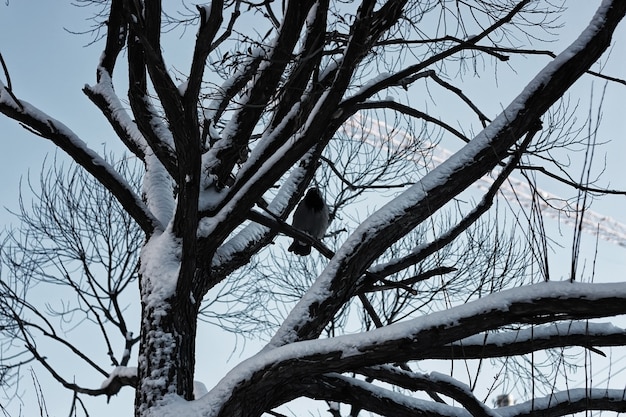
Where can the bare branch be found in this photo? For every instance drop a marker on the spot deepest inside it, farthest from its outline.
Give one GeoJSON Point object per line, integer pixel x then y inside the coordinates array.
{"type": "Point", "coordinates": [571, 182]}
{"type": "Point", "coordinates": [416, 204]}
{"type": "Point", "coordinates": [409, 340]}
{"type": "Point", "coordinates": [433, 382]}
{"type": "Point", "coordinates": [398, 78]}
{"type": "Point", "coordinates": [65, 139]}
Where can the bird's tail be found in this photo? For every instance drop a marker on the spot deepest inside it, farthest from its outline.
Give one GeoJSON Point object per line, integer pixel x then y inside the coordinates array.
{"type": "Point", "coordinates": [300, 248]}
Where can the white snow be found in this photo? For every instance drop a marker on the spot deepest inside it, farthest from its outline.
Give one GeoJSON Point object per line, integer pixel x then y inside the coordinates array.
{"type": "Point", "coordinates": [357, 345]}
{"type": "Point", "coordinates": [207, 11]}
{"type": "Point", "coordinates": [160, 264]}
{"type": "Point", "coordinates": [121, 371]}
{"type": "Point", "coordinates": [219, 93]}
{"type": "Point", "coordinates": [371, 83]}
{"type": "Point", "coordinates": [182, 87]}
{"type": "Point", "coordinates": [330, 67]}
{"type": "Point", "coordinates": [157, 189]}
{"type": "Point", "coordinates": [5, 97]}
{"type": "Point", "coordinates": [423, 406]}
{"type": "Point", "coordinates": [572, 395]}
{"type": "Point", "coordinates": [104, 88]}
{"type": "Point", "coordinates": [199, 389]}
{"type": "Point", "coordinates": [268, 137]}
{"type": "Point", "coordinates": [541, 332]}
{"type": "Point", "coordinates": [159, 128]}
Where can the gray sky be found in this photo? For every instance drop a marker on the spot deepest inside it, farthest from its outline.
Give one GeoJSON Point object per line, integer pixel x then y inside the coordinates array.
{"type": "Point", "coordinates": [49, 65]}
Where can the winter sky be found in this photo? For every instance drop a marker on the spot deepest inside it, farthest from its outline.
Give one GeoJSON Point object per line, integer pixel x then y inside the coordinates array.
{"type": "Point", "coordinates": [49, 65]}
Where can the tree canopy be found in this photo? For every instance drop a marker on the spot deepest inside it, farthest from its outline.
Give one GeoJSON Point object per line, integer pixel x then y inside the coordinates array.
{"type": "Point", "coordinates": [431, 260]}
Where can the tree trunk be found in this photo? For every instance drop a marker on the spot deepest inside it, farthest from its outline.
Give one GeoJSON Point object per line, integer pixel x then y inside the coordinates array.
{"type": "Point", "coordinates": [167, 351]}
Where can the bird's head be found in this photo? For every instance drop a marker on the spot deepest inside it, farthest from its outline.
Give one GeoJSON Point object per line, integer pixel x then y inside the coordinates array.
{"type": "Point", "coordinates": [314, 199]}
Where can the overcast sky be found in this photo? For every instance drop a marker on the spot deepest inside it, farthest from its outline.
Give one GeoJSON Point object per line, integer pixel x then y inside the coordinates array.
{"type": "Point", "coordinates": [49, 65]}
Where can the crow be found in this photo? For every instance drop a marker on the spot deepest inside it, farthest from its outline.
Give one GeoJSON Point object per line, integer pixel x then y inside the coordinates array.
{"type": "Point", "coordinates": [311, 216]}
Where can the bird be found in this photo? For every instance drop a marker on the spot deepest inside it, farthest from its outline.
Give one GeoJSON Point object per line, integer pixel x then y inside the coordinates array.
{"type": "Point", "coordinates": [311, 216]}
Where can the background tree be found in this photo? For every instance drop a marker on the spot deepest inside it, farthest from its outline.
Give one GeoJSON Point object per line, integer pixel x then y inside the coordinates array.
{"type": "Point", "coordinates": [227, 149]}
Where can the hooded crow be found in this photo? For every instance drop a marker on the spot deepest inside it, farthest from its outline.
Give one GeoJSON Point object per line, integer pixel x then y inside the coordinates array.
{"type": "Point", "coordinates": [311, 216]}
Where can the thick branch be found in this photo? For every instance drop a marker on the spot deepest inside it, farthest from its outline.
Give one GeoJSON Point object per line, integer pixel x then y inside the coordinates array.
{"type": "Point", "coordinates": [116, 37]}
{"type": "Point", "coordinates": [104, 97]}
{"type": "Point", "coordinates": [65, 139]}
{"type": "Point", "coordinates": [150, 123]}
{"type": "Point", "coordinates": [442, 184]}
{"type": "Point", "coordinates": [410, 340]}
{"type": "Point", "coordinates": [513, 343]}
{"type": "Point", "coordinates": [209, 25]}
{"type": "Point", "coordinates": [571, 401]}
{"type": "Point", "coordinates": [430, 382]}
{"type": "Point", "coordinates": [339, 388]}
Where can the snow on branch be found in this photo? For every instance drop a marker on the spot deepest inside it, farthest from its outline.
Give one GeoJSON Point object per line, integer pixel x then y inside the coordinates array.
{"type": "Point", "coordinates": [414, 338]}
{"type": "Point", "coordinates": [384, 402]}
{"type": "Point", "coordinates": [569, 402]}
{"type": "Point", "coordinates": [104, 97]}
{"type": "Point", "coordinates": [433, 382]}
{"type": "Point", "coordinates": [119, 377]}
{"type": "Point", "coordinates": [62, 136]}
{"type": "Point", "coordinates": [397, 218]}
{"type": "Point", "coordinates": [527, 340]}
{"type": "Point", "coordinates": [335, 387]}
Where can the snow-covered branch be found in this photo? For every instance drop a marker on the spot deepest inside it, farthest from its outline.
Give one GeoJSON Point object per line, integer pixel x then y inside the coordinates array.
{"type": "Point", "coordinates": [393, 221]}
{"type": "Point", "coordinates": [370, 397]}
{"type": "Point", "coordinates": [66, 139]}
{"type": "Point", "coordinates": [433, 382]}
{"type": "Point", "coordinates": [340, 388]}
{"type": "Point", "coordinates": [527, 340]}
{"type": "Point", "coordinates": [116, 36]}
{"type": "Point", "coordinates": [103, 95]}
{"type": "Point", "coordinates": [569, 402]}
{"type": "Point", "coordinates": [414, 338]}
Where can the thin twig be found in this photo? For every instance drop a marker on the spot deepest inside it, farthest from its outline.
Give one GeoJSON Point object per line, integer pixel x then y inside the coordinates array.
{"type": "Point", "coordinates": [9, 86]}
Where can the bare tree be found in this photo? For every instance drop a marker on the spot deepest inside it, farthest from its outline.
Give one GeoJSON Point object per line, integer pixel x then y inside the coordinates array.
{"type": "Point", "coordinates": [227, 151]}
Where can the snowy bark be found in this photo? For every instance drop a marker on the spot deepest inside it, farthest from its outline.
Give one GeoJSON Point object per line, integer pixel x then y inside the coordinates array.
{"type": "Point", "coordinates": [258, 383]}
{"type": "Point", "coordinates": [62, 136]}
{"type": "Point", "coordinates": [167, 354]}
{"type": "Point", "coordinates": [197, 195]}
{"type": "Point", "coordinates": [340, 279]}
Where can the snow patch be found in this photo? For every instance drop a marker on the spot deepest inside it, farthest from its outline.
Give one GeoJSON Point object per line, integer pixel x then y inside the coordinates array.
{"type": "Point", "coordinates": [157, 189]}
{"type": "Point", "coordinates": [199, 389]}
{"type": "Point", "coordinates": [160, 264]}
{"type": "Point", "coordinates": [119, 371]}
{"type": "Point", "coordinates": [182, 88]}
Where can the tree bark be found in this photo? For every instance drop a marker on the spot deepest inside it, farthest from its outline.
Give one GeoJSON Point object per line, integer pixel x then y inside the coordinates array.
{"type": "Point", "coordinates": [166, 359]}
